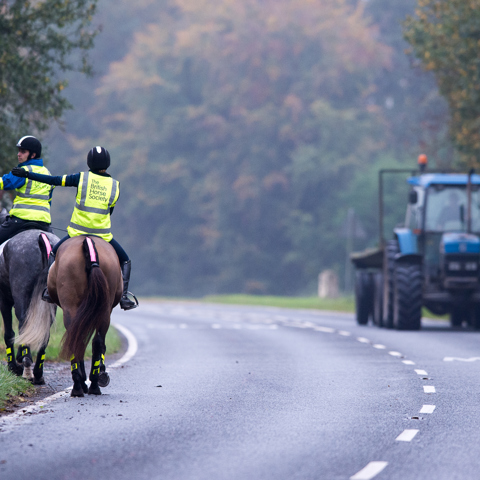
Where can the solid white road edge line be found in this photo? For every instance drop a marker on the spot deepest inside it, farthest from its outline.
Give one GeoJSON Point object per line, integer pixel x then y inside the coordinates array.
{"type": "Point", "coordinates": [131, 351]}
{"type": "Point", "coordinates": [427, 409]}
{"type": "Point", "coordinates": [370, 471]}
{"type": "Point", "coordinates": [407, 435]}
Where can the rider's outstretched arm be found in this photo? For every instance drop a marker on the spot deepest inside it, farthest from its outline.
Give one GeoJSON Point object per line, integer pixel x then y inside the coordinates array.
{"type": "Point", "coordinates": [59, 180]}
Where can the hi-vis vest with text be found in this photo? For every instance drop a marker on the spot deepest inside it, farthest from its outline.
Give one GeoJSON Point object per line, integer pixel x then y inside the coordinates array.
{"type": "Point", "coordinates": [91, 215]}
{"type": "Point", "coordinates": [33, 198]}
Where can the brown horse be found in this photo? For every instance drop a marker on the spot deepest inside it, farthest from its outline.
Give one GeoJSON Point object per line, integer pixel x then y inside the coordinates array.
{"type": "Point", "coordinates": [86, 282]}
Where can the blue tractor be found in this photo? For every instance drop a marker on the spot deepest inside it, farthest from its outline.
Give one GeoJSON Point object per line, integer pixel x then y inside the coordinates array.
{"type": "Point", "coordinates": [432, 260]}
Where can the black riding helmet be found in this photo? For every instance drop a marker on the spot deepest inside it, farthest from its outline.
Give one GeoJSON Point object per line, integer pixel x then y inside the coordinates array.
{"type": "Point", "coordinates": [98, 158]}
{"type": "Point", "coordinates": [31, 144]}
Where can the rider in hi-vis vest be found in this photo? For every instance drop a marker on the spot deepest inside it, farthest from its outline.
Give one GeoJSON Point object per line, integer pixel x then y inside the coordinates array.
{"type": "Point", "coordinates": [31, 207]}
{"type": "Point", "coordinates": [97, 193]}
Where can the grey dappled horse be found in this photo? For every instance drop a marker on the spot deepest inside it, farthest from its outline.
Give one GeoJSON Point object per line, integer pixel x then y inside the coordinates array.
{"type": "Point", "coordinates": [23, 275]}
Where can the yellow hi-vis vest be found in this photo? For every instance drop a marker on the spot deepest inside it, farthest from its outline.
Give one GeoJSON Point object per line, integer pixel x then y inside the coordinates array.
{"type": "Point", "coordinates": [96, 194]}
{"type": "Point", "coordinates": [33, 198]}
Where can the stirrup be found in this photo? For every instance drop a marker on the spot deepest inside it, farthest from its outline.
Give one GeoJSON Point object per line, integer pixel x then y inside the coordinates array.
{"type": "Point", "coordinates": [126, 303]}
{"type": "Point", "coordinates": [46, 296]}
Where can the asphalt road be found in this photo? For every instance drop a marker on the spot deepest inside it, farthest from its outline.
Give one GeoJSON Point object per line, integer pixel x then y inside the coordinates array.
{"type": "Point", "coordinates": [222, 392]}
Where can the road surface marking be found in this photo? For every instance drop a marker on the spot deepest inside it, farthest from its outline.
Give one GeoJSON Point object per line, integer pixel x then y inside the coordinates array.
{"type": "Point", "coordinates": [216, 325]}
{"type": "Point", "coordinates": [344, 333]}
{"type": "Point", "coordinates": [379, 346]}
{"type": "Point", "coordinates": [407, 435]}
{"type": "Point", "coordinates": [324, 329]}
{"type": "Point", "coordinates": [427, 409]}
{"type": "Point", "coordinates": [408, 362]}
{"type": "Point", "coordinates": [395, 354]}
{"type": "Point", "coordinates": [24, 413]}
{"type": "Point", "coordinates": [363, 340]}
{"type": "Point", "coordinates": [458, 359]}
{"type": "Point", "coordinates": [421, 372]}
{"type": "Point", "coordinates": [429, 389]}
{"type": "Point", "coordinates": [131, 349]}
{"type": "Point", "coordinates": [370, 471]}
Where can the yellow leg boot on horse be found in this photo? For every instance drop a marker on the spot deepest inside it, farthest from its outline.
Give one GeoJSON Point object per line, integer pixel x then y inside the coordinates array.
{"type": "Point", "coordinates": [125, 302]}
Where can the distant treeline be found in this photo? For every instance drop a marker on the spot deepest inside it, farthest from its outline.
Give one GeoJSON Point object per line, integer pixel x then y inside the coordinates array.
{"type": "Point", "coordinates": [243, 132]}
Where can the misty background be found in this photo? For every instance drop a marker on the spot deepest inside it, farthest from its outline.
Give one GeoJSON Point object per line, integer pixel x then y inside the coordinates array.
{"type": "Point", "coordinates": [247, 135]}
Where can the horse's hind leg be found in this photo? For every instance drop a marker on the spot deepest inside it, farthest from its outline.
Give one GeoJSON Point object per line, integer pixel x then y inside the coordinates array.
{"type": "Point", "coordinates": [9, 336]}
{"type": "Point", "coordinates": [24, 356]}
{"type": "Point", "coordinates": [79, 378]}
{"type": "Point", "coordinates": [38, 368]}
{"type": "Point", "coordinates": [98, 358]}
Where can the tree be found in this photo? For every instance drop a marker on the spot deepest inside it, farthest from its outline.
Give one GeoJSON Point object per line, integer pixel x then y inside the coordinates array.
{"type": "Point", "coordinates": [233, 126]}
{"type": "Point", "coordinates": [39, 39]}
{"type": "Point", "coordinates": [445, 37]}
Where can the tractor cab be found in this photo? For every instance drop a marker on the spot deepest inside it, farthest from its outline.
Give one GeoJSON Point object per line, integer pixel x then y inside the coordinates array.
{"type": "Point", "coordinates": [443, 219]}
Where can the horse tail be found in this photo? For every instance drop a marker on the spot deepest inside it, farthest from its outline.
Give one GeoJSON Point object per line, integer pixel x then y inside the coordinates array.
{"type": "Point", "coordinates": [40, 315]}
{"type": "Point", "coordinates": [91, 312]}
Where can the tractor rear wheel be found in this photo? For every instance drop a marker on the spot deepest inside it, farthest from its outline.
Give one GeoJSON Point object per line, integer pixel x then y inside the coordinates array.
{"type": "Point", "coordinates": [407, 308]}
{"type": "Point", "coordinates": [363, 296]}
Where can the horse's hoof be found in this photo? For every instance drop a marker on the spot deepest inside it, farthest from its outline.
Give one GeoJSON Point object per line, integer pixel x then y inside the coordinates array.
{"type": "Point", "coordinates": [77, 393]}
{"type": "Point", "coordinates": [94, 390]}
{"type": "Point", "coordinates": [38, 381]}
{"type": "Point", "coordinates": [16, 369]}
{"type": "Point", "coordinates": [103, 379]}
{"type": "Point", "coordinates": [84, 387]}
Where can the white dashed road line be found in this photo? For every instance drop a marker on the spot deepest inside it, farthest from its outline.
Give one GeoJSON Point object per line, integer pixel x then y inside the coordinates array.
{"type": "Point", "coordinates": [395, 354]}
{"type": "Point", "coordinates": [407, 435]}
{"type": "Point", "coordinates": [421, 372]}
{"type": "Point", "coordinates": [427, 409]}
{"type": "Point", "coordinates": [429, 389]}
{"type": "Point", "coordinates": [408, 362]}
{"type": "Point", "coordinates": [370, 471]}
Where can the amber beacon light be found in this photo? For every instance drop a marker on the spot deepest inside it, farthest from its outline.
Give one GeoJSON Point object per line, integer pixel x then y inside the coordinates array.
{"type": "Point", "coordinates": [422, 161]}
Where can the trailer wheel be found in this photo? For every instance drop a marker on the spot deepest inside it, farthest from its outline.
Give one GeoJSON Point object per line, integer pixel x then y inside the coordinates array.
{"type": "Point", "coordinates": [363, 296]}
{"type": "Point", "coordinates": [457, 316]}
{"type": "Point", "coordinates": [377, 315]}
{"type": "Point", "coordinates": [407, 308]}
{"type": "Point", "coordinates": [391, 250]}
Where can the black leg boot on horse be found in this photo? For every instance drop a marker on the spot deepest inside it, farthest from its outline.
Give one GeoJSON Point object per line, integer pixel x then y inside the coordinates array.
{"type": "Point", "coordinates": [97, 376]}
{"type": "Point", "coordinates": [125, 302]}
{"type": "Point", "coordinates": [79, 378]}
{"type": "Point", "coordinates": [24, 357]}
{"type": "Point", "coordinates": [45, 295]}
{"type": "Point", "coordinates": [13, 366]}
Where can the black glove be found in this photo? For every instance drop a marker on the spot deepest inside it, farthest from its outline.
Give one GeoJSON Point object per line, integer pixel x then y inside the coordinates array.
{"type": "Point", "coordinates": [20, 172]}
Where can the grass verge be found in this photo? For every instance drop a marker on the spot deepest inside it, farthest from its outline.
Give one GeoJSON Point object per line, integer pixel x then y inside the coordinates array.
{"type": "Point", "coordinates": [13, 386]}
{"type": "Point", "coordinates": [340, 304]}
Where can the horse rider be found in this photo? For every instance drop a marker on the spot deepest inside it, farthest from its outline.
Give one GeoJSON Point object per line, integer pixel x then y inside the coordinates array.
{"type": "Point", "coordinates": [31, 207]}
{"type": "Point", "coordinates": [97, 193]}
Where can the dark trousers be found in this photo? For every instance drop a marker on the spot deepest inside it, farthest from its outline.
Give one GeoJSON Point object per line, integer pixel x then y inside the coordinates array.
{"type": "Point", "coordinates": [13, 225]}
{"type": "Point", "coordinates": [121, 253]}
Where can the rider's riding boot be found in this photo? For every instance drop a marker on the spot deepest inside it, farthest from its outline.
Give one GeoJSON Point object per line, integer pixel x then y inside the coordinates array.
{"type": "Point", "coordinates": [45, 295]}
{"type": "Point", "coordinates": [125, 302]}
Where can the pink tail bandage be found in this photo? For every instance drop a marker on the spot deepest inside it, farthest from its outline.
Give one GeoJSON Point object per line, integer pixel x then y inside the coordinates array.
{"type": "Point", "coordinates": [47, 244]}
{"type": "Point", "coordinates": [91, 250]}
